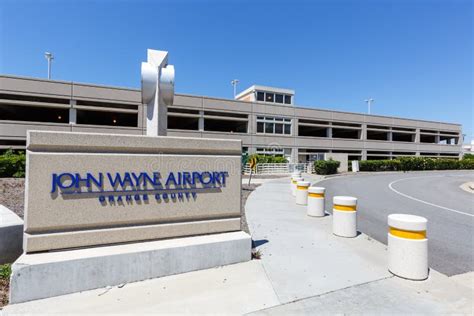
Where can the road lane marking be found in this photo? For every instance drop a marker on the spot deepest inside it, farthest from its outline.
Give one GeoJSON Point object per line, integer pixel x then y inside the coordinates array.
{"type": "Point", "coordinates": [390, 185]}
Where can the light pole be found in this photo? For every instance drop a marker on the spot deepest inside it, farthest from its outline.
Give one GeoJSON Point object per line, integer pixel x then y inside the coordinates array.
{"type": "Point", "coordinates": [49, 57]}
{"type": "Point", "coordinates": [234, 83]}
{"type": "Point", "coordinates": [369, 103]}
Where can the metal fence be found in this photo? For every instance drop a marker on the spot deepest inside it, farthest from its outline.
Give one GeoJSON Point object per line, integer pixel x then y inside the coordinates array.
{"type": "Point", "coordinates": [280, 168]}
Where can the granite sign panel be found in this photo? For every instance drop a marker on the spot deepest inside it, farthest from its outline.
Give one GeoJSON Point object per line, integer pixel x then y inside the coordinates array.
{"type": "Point", "coordinates": [87, 190]}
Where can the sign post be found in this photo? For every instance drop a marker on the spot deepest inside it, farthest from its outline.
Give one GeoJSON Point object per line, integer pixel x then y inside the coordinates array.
{"type": "Point", "coordinates": [253, 167]}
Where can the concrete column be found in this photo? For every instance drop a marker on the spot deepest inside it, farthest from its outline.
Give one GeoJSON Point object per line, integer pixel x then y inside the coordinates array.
{"type": "Point", "coordinates": [201, 121]}
{"type": "Point", "coordinates": [363, 132]}
{"type": "Point", "coordinates": [294, 155]}
{"type": "Point", "coordinates": [294, 127]}
{"type": "Point", "coordinates": [72, 112]}
{"type": "Point", "coordinates": [389, 136]}
{"type": "Point", "coordinates": [140, 116]}
{"type": "Point", "coordinates": [329, 131]}
{"type": "Point", "coordinates": [364, 154]}
{"type": "Point", "coordinates": [437, 139]}
{"type": "Point", "coordinates": [252, 124]}
{"type": "Point", "coordinates": [417, 135]}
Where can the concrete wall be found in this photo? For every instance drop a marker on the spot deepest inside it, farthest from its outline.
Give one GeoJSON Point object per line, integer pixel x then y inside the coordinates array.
{"type": "Point", "coordinates": [11, 235]}
{"type": "Point", "coordinates": [342, 158]}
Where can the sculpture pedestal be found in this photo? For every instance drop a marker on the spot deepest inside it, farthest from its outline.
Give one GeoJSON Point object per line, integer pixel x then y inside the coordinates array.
{"type": "Point", "coordinates": [42, 275]}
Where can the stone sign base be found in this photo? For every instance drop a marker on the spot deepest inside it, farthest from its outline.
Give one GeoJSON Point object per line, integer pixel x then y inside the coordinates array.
{"type": "Point", "coordinates": [42, 275]}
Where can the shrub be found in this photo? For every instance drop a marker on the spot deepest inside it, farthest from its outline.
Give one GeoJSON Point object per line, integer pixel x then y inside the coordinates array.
{"type": "Point", "coordinates": [379, 165]}
{"type": "Point", "coordinates": [416, 163]}
{"type": "Point", "coordinates": [326, 166]}
{"type": "Point", "coordinates": [466, 164]}
{"type": "Point", "coordinates": [269, 159]}
{"type": "Point", "coordinates": [12, 164]}
{"type": "Point", "coordinates": [468, 157]}
{"type": "Point", "coordinates": [411, 163]}
{"type": "Point", "coordinates": [446, 164]}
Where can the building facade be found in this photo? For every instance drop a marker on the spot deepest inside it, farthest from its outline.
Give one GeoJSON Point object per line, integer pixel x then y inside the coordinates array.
{"type": "Point", "coordinates": [264, 118]}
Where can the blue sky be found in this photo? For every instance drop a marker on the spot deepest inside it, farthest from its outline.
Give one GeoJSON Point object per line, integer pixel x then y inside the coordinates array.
{"type": "Point", "coordinates": [414, 58]}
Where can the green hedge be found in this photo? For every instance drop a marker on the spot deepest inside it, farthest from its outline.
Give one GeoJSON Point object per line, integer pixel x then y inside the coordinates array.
{"type": "Point", "coordinates": [12, 164]}
{"type": "Point", "coordinates": [326, 166]}
{"type": "Point", "coordinates": [379, 165]}
{"type": "Point", "coordinates": [415, 163]}
{"type": "Point", "coordinates": [269, 159]}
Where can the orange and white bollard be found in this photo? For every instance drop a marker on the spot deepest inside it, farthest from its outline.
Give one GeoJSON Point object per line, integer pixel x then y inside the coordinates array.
{"type": "Point", "coordinates": [294, 180]}
{"type": "Point", "coordinates": [302, 192]}
{"type": "Point", "coordinates": [316, 201]}
{"type": "Point", "coordinates": [344, 212]}
{"type": "Point", "coordinates": [408, 246]}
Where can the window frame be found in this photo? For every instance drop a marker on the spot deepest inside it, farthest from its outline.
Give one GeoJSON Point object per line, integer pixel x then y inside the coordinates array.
{"type": "Point", "coordinates": [286, 125]}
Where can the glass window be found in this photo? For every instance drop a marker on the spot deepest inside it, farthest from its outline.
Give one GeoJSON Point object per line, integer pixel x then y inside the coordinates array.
{"type": "Point", "coordinates": [269, 97]}
{"type": "Point", "coordinates": [269, 128]}
{"type": "Point", "coordinates": [279, 98]}
{"type": "Point", "coordinates": [260, 96]}
{"type": "Point", "coordinates": [273, 125]}
{"type": "Point", "coordinates": [287, 99]}
{"type": "Point", "coordinates": [278, 128]}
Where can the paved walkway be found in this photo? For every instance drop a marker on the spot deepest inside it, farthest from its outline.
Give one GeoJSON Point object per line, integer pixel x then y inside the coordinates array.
{"type": "Point", "coordinates": [313, 271]}
{"type": "Point", "coordinates": [304, 270]}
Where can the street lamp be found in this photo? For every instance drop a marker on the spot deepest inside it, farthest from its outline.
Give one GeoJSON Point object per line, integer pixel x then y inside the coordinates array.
{"type": "Point", "coordinates": [49, 57]}
{"type": "Point", "coordinates": [369, 103]}
{"type": "Point", "coordinates": [234, 83]}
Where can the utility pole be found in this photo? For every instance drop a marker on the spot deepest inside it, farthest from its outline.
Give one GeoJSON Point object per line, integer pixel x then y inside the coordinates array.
{"type": "Point", "coordinates": [234, 83]}
{"type": "Point", "coordinates": [49, 57]}
{"type": "Point", "coordinates": [369, 103]}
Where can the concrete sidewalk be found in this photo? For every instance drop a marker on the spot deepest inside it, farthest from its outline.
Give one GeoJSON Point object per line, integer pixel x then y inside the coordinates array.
{"type": "Point", "coordinates": [313, 271]}
{"type": "Point", "coordinates": [304, 269]}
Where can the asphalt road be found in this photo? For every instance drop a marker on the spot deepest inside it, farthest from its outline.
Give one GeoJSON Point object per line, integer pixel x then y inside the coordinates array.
{"type": "Point", "coordinates": [434, 195]}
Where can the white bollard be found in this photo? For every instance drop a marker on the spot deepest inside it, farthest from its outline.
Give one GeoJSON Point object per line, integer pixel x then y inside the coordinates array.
{"type": "Point", "coordinates": [294, 175]}
{"type": "Point", "coordinates": [302, 192]}
{"type": "Point", "coordinates": [294, 180]}
{"type": "Point", "coordinates": [408, 246]}
{"type": "Point", "coordinates": [316, 201]}
{"type": "Point", "coordinates": [344, 212]}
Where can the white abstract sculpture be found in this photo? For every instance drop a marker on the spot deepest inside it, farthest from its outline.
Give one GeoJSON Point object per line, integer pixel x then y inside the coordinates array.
{"type": "Point", "coordinates": [157, 91]}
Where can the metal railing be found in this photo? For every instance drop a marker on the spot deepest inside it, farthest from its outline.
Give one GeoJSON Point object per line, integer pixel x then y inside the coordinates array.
{"type": "Point", "coordinates": [280, 168]}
